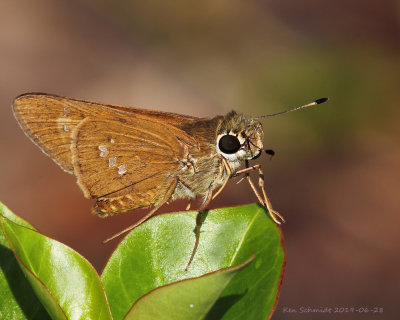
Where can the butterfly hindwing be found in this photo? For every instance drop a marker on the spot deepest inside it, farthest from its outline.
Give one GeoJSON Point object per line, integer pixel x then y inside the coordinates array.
{"type": "Point", "coordinates": [111, 155]}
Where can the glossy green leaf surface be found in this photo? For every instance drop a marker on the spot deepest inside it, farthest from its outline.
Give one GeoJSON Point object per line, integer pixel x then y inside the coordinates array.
{"type": "Point", "coordinates": [156, 253]}
{"type": "Point", "coordinates": [18, 301]}
{"type": "Point", "coordinates": [186, 299]}
{"type": "Point", "coordinates": [65, 283]}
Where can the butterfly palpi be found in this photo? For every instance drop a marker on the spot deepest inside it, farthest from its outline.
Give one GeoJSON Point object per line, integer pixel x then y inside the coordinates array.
{"type": "Point", "coordinates": [130, 158]}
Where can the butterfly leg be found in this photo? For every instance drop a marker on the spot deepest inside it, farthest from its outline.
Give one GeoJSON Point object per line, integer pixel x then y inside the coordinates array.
{"type": "Point", "coordinates": [167, 195]}
{"type": "Point", "coordinates": [228, 175]}
{"type": "Point", "coordinates": [264, 200]}
{"type": "Point", "coordinates": [199, 217]}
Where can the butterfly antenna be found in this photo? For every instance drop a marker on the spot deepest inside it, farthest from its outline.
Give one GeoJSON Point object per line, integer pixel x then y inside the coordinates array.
{"type": "Point", "coordinates": [314, 103]}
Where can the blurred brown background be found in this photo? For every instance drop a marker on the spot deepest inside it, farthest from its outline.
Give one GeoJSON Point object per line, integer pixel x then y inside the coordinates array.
{"type": "Point", "coordinates": [335, 176]}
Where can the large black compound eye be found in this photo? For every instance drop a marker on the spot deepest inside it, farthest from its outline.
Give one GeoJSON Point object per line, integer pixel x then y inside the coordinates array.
{"type": "Point", "coordinates": [229, 144]}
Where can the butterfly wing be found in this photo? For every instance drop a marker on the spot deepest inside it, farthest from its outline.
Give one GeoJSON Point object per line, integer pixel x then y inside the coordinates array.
{"type": "Point", "coordinates": [126, 159]}
{"type": "Point", "coordinates": [127, 162]}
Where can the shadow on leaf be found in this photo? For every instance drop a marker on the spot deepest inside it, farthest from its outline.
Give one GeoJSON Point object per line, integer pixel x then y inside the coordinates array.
{"type": "Point", "coordinates": [21, 289]}
{"type": "Point", "coordinates": [222, 305]}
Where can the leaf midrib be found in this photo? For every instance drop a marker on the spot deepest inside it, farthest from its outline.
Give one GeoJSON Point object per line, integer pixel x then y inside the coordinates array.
{"type": "Point", "coordinates": [244, 236]}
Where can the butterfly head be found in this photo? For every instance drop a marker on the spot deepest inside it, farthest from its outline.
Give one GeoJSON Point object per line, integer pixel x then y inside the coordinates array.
{"type": "Point", "coordinates": [239, 138]}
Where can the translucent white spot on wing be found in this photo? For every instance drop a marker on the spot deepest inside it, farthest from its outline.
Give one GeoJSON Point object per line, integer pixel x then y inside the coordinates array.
{"type": "Point", "coordinates": [65, 112]}
{"type": "Point", "coordinates": [122, 169]}
{"type": "Point", "coordinates": [104, 151]}
{"type": "Point", "coordinates": [112, 161]}
{"type": "Point", "coordinates": [112, 140]}
{"type": "Point", "coordinates": [191, 306]}
{"type": "Point", "coordinates": [66, 129]}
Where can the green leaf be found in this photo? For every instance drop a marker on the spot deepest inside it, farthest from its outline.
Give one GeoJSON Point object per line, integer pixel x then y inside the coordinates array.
{"type": "Point", "coordinates": [65, 283]}
{"type": "Point", "coordinates": [156, 253]}
{"type": "Point", "coordinates": [186, 299]}
{"type": "Point", "coordinates": [18, 301]}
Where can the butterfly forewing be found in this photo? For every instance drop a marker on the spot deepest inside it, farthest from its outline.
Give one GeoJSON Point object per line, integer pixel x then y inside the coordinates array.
{"type": "Point", "coordinates": [49, 122]}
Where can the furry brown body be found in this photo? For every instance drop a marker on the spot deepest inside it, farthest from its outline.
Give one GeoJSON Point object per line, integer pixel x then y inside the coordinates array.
{"type": "Point", "coordinates": [128, 158]}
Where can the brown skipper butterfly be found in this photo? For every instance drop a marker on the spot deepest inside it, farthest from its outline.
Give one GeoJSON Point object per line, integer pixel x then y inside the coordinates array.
{"type": "Point", "coordinates": [130, 158]}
